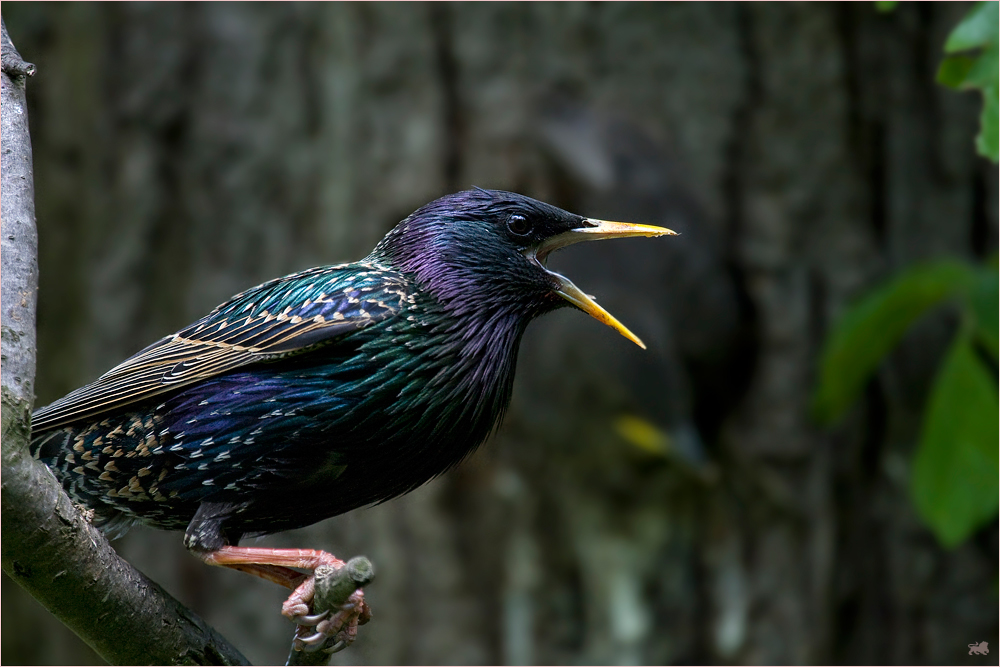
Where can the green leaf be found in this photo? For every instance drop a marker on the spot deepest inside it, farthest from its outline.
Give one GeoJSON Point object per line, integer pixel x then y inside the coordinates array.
{"type": "Point", "coordinates": [955, 482]}
{"type": "Point", "coordinates": [872, 327]}
{"type": "Point", "coordinates": [953, 69]}
{"type": "Point", "coordinates": [885, 6]}
{"type": "Point", "coordinates": [984, 301]}
{"type": "Point", "coordinates": [983, 72]}
{"type": "Point", "coordinates": [989, 119]}
{"type": "Point", "coordinates": [978, 28]}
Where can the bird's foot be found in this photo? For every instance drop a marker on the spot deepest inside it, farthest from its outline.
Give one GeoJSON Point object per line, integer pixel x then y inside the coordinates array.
{"type": "Point", "coordinates": [331, 630]}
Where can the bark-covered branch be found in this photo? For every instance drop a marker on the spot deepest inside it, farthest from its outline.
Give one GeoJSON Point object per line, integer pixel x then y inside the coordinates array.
{"type": "Point", "coordinates": [49, 548]}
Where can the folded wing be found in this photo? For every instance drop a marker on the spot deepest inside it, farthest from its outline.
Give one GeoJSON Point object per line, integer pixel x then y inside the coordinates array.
{"type": "Point", "coordinates": [290, 315]}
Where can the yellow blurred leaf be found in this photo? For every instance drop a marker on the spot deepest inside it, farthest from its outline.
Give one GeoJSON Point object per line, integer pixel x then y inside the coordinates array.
{"type": "Point", "coordinates": [643, 434]}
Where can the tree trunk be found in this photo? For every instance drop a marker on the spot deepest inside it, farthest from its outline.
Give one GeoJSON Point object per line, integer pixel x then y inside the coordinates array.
{"type": "Point", "coordinates": [184, 152]}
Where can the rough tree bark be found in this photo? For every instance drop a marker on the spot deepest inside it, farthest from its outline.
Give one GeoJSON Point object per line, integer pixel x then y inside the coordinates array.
{"type": "Point", "coordinates": [804, 151]}
{"type": "Point", "coordinates": [49, 548]}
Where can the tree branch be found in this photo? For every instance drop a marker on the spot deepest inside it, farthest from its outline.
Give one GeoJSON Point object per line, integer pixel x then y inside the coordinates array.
{"type": "Point", "coordinates": [48, 547]}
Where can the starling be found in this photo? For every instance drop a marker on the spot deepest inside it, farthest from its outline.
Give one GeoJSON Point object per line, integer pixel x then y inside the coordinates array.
{"type": "Point", "coordinates": [323, 391]}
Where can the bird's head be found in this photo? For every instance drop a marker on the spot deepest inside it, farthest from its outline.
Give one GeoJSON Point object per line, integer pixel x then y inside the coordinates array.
{"type": "Point", "coordinates": [482, 254]}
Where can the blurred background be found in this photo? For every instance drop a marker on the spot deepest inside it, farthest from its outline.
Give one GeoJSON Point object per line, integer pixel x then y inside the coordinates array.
{"type": "Point", "coordinates": [679, 505]}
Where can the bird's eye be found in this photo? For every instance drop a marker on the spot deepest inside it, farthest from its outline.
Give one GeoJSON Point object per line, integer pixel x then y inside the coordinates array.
{"type": "Point", "coordinates": [518, 224]}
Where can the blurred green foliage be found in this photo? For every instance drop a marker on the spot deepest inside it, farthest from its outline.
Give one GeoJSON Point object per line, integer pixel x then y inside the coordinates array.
{"type": "Point", "coordinates": [972, 49]}
{"type": "Point", "coordinates": [955, 483]}
{"type": "Point", "coordinates": [955, 480]}
{"type": "Point", "coordinates": [869, 330]}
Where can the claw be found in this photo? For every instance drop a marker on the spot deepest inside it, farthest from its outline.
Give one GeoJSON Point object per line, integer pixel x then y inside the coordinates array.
{"type": "Point", "coordinates": [293, 610]}
{"type": "Point", "coordinates": [333, 630]}
{"type": "Point", "coordinates": [308, 620]}
{"type": "Point", "coordinates": [312, 643]}
{"type": "Point", "coordinates": [336, 648]}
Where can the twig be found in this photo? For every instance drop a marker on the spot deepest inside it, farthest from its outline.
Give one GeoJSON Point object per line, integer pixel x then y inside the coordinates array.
{"type": "Point", "coordinates": [333, 587]}
{"type": "Point", "coordinates": [13, 65]}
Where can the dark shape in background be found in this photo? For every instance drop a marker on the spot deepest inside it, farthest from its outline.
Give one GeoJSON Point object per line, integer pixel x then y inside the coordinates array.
{"type": "Point", "coordinates": [186, 151]}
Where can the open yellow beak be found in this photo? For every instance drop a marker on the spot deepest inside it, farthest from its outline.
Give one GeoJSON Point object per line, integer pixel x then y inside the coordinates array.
{"type": "Point", "coordinates": [595, 230]}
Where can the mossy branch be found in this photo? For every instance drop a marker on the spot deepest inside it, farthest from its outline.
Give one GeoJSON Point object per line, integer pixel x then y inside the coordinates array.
{"type": "Point", "coordinates": [333, 587]}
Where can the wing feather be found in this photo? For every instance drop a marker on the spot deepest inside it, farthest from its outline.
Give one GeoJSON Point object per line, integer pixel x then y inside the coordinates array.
{"type": "Point", "coordinates": [272, 320]}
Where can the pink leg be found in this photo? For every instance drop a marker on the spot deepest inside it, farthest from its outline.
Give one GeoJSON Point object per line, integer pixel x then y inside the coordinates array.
{"type": "Point", "coordinates": [274, 565]}
{"type": "Point", "coordinates": [276, 574]}
{"type": "Point", "coordinates": [308, 559]}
